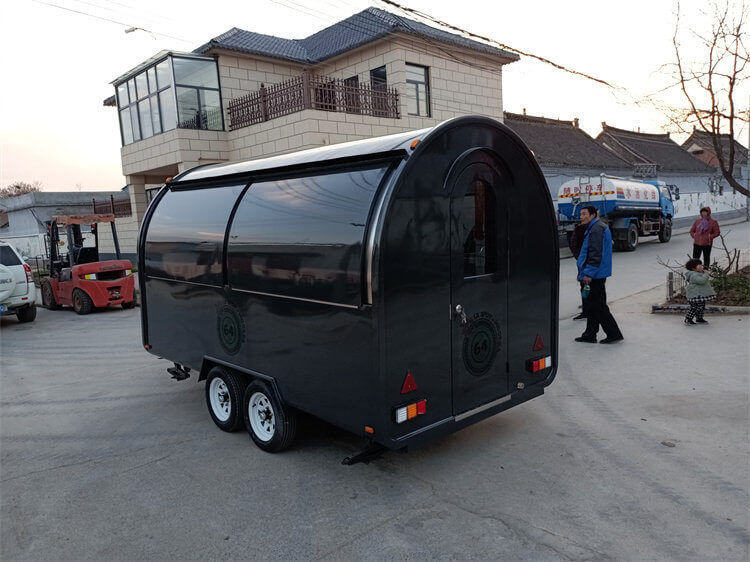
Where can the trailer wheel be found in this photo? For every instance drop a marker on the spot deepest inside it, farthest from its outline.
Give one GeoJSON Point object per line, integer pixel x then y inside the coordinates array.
{"type": "Point", "coordinates": [82, 303]}
{"type": "Point", "coordinates": [224, 391]}
{"type": "Point", "coordinates": [631, 243]}
{"type": "Point", "coordinates": [665, 232]}
{"type": "Point", "coordinates": [26, 314]}
{"type": "Point", "coordinates": [270, 423]}
{"type": "Point", "coordinates": [48, 296]}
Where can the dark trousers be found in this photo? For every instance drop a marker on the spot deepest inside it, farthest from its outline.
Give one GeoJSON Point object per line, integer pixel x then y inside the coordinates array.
{"type": "Point", "coordinates": [706, 250]}
{"type": "Point", "coordinates": [597, 312]}
{"type": "Point", "coordinates": [697, 309]}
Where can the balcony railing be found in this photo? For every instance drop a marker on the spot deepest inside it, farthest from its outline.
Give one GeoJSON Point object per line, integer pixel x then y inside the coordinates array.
{"type": "Point", "coordinates": [309, 91]}
{"type": "Point", "coordinates": [119, 207]}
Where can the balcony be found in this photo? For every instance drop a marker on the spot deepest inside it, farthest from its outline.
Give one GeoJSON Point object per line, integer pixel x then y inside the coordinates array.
{"type": "Point", "coordinates": [309, 91]}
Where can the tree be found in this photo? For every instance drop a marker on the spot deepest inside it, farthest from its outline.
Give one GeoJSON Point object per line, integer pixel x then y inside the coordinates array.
{"type": "Point", "coordinates": [19, 188]}
{"type": "Point", "coordinates": [712, 83]}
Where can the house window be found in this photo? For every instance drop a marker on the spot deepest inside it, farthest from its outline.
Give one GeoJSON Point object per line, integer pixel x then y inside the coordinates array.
{"type": "Point", "coordinates": [198, 99]}
{"type": "Point", "coordinates": [417, 90]}
{"type": "Point", "coordinates": [175, 92]}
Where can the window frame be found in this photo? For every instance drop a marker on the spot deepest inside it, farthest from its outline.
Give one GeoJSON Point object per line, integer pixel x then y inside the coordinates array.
{"type": "Point", "coordinates": [129, 83]}
{"type": "Point", "coordinates": [364, 297]}
{"type": "Point", "coordinates": [415, 83]}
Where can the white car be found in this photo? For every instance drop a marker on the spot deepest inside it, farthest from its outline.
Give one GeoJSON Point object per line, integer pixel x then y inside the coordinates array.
{"type": "Point", "coordinates": [17, 290]}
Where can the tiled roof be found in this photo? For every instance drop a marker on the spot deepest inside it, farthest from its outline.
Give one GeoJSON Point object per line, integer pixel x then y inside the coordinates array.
{"type": "Point", "coordinates": [350, 33]}
{"type": "Point", "coordinates": [704, 140]}
{"type": "Point", "coordinates": [562, 143]}
{"type": "Point", "coordinates": [649, 148]}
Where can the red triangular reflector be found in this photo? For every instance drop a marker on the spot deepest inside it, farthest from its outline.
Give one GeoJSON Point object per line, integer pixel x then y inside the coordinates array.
{"type": "Point", "coordinates": [538, 343]}
{"type": "Point", "coordinates": [409, 383]}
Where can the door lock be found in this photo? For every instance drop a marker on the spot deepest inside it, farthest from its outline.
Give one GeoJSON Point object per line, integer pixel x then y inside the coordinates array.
{"type": "Point", "coordinates": [461, 315]}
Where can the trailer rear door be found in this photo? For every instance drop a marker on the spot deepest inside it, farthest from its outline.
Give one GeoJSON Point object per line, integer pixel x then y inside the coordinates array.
{"type": "Point", "coordinates": [479, 285]}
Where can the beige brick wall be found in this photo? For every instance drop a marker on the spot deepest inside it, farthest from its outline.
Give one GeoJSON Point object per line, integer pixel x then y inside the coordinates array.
{"type": "Point", "coordinates": [171, 148]}
{"type": "Point", "coordinates": [466, 83]}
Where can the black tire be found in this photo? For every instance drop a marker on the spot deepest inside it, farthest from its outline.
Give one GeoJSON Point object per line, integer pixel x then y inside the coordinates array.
{"type": "Point", "coordinates": [232, 386]}
{"type": "Point", "coordinates": [631, 242]}
{"type": "Point", "coordinates": [665, 232]}
{"type": "Point", "coordinates": [284, 418]}
{"type": "Point", "coordinates": [128, 305]}
{"type": "Point", "coordinates": [48, 296]}
{"type": "Point", "coordinates": [82, 303]}
{"type": "Point", "coordinates": [26, 314]}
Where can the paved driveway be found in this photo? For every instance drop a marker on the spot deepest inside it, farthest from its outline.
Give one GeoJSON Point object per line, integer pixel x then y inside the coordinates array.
{"type": "Point", "coordinates": [637, 450]}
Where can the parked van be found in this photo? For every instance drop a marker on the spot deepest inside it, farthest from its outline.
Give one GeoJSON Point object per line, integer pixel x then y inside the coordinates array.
{"type": "Point", "coordinates": [400, 287]}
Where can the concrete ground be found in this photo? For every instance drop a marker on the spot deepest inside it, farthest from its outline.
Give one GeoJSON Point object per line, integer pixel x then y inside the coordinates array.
{"type": "Point", "coordinates": [637, 450]}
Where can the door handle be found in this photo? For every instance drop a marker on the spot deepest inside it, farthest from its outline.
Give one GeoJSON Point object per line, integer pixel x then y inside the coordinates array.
{"type": "Point", "coordinates": [461, 315]}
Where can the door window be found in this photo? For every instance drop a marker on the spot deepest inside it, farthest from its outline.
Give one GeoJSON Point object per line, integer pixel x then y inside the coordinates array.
{"type": "Point", "coordinates": [8, 256]}
{"type": "Point", "coordinates": [479, 229]}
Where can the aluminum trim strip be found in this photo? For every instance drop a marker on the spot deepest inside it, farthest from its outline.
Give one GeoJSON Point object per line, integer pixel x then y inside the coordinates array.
{"type": "Point", "coordinates": [354, 306]}
{"type": "Point", "coordinates": [482, 408]}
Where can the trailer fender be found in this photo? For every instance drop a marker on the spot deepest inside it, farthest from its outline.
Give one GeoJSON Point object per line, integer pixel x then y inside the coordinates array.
{"type": "Point", "coordinates": [211, 362]}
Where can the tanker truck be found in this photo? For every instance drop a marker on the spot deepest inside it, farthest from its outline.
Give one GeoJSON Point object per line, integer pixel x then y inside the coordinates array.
{"type": "Point", "coordinates": [632, 208]}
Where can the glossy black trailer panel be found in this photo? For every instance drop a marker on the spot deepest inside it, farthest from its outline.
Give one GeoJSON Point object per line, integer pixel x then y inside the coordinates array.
{"type": "Point", "coordinates": [335, 272]}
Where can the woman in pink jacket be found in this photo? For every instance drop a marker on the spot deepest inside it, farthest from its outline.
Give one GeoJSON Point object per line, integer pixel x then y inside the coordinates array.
{"type": "Point", "coordinates": [703, 231]}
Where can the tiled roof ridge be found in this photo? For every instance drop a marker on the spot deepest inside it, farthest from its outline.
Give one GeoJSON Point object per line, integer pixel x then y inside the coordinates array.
{"type": "Point", "coordinates": [358, 23]}
{"type": "Point", "coordinates": [627, 148]}
{"type": "Point", "coordinates": [538, 119]}
{"type": "Point", "coordinates": [625, 132]}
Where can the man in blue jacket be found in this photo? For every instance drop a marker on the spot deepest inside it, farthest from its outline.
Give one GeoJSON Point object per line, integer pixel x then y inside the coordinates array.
{"type": "Point", "coordinates": [594, 266]}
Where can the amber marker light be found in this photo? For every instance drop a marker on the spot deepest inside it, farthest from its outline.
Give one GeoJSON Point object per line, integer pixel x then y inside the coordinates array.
{"type": "Point", "coordinates": [414, 144]}
{"type": "Point", "coordinates": [369, 430]}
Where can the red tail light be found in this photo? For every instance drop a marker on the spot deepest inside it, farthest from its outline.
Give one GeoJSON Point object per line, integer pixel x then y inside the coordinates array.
{"type": "Point", "coordinates": [29, 276]}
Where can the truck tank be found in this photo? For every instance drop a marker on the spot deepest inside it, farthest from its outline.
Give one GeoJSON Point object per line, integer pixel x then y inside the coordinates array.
{"type": "Point", "coordinates": [611, 196]}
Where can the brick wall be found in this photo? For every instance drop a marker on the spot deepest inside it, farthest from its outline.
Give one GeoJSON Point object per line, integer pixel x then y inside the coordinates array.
{"type": "Point", "coordinates": [172, 148]}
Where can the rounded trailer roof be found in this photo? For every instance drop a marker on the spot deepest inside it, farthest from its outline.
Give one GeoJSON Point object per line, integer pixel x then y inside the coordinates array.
{"type": "Point", "coordinates": [343, 151]}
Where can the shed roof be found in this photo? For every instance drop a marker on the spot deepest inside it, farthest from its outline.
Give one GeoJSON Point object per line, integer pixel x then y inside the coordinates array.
{"type": "Point", "coordinates": [348, 34]}
{"type": "Point", "coordinates": [562, 143]}
{"type": "Point", "coordinates": [705, 141]}
{"type": "Point", "coordinates": [650, 148]}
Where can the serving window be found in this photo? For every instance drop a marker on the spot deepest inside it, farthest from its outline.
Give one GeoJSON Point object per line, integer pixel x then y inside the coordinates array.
{"type": "Point", "coordinates": [303, 237]}
{"type": "Point", "coordinates": [185, 239]}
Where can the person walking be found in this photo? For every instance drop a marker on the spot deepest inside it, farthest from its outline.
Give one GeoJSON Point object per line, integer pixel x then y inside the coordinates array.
{"type": "Point", "coordinates": [575, 242]}
{"type": "Point", "coordinates": [703, 232]}
{"type": "Point", "coordinates": [698, 291]}
{"type": "Point", "coordinates": [594, 266]}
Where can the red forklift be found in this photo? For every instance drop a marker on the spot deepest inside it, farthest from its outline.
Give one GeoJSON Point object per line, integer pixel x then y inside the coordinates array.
{"type": "Point", "coordinates": [78, 278]}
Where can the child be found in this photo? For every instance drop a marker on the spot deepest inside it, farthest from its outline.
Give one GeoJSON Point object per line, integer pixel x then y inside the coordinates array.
{"type": "Point", "coordinates": [698, 291]}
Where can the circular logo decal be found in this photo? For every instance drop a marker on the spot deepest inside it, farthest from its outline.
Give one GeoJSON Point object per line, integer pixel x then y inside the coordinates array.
{"type": "Point", "coordinates": [481, 343]}
{"type": "Point", "coordinates": [231, 329]}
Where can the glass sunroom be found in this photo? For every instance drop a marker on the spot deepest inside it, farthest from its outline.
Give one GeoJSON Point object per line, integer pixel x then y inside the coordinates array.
{"type": "Point", "coordinates": [167, 92]}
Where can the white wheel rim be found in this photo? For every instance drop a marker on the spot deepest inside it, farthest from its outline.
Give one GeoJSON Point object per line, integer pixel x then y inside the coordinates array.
{"type": "Point", "coordinates": [262, 417]}
{"type": "Point", "coordinates": [221, 403]}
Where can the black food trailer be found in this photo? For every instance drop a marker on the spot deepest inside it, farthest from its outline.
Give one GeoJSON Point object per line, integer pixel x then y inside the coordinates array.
{"type": "Point", "coordinates": [400, 287]}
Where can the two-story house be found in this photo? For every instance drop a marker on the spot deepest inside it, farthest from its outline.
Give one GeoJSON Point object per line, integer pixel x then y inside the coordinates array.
{"type": "Point", "coordinates": [246, 95]}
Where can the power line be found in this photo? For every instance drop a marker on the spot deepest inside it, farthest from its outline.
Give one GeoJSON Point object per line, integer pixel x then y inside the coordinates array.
{"type": "Point", "coordinates": [490, 40]}
{"type": "Point", "coordinates": [110, 20]}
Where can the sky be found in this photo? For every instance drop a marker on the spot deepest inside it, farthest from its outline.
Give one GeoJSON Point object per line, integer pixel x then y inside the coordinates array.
{"type": "Point", "coordinates": [58, 65]}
